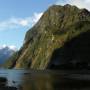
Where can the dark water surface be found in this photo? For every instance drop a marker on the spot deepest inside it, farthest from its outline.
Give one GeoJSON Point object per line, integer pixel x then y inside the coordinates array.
{"type": "Point", "coordinates": [46, 80]}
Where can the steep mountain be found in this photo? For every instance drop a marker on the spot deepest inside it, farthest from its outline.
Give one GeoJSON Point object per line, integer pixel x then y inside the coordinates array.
{"type": "Point", "coordinates": [5, 53]}
{"type": "Point", "coordinates": [60, 39]}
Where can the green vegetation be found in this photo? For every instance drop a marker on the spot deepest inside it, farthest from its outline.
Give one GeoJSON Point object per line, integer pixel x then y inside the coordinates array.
{"type": "Point", "coordinates": [47, 42]}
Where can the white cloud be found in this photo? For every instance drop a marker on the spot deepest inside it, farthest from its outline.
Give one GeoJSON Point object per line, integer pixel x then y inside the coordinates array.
{"type": "Point", "coordinates": [3, 46]}
{"type": "Point", "coordinates": [23, 22]}
{"type": "Point", "coordinates": [12, 47]}
{"type": "Point", "coordinates": [37, 17]}
{"type": "Point", "coordinates": [14, 22]}
{"type": "Point", "coordinates": [78, 3]}
{"type": "Point", "coordinates": [61, 2]}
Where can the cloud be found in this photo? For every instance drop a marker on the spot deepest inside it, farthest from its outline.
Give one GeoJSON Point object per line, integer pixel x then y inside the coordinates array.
{"type": "Point", "coordinates": [61, 2]}
{"type": "Point", "coordinates": [12, 47]}
{"type": "Point", "coordinates": [36, 17]}
{"type": "Point", "coordinates": [78, 3]}
{"type": "Point", "coordinates": [14, 22]}
{"type": "Point", "coordinates": [23, 22]}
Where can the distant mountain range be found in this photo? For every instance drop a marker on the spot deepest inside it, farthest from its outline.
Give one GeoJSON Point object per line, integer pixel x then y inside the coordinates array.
{"type": "Point", "coordinates": [5, 53]}
{"type": "Point", "coordinates": [59, 40]}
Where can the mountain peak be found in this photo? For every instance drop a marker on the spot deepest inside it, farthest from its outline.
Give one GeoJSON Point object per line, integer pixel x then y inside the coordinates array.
{"type": "Point", "coordinates": [85, 12]}
{"type": "Point", "coordinates": [67, 5]}
{"type": "Point", "coordinates": [8, 47]}
{"type": "Point", "coordinates": [5, 53]}
{"type": "Point", "coordinates": [50, 41]}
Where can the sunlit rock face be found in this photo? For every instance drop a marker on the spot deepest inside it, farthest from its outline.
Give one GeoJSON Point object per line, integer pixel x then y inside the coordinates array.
{"type": "Point", "coordinates": [60, 39]}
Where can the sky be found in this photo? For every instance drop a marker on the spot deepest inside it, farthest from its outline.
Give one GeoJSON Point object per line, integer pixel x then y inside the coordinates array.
{"type": "Point", "coordinates": [18, 16]}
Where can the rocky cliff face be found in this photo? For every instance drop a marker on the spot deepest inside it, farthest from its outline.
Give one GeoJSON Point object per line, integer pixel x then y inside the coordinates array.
{"type": "Point", "coordinates": [59, 39]}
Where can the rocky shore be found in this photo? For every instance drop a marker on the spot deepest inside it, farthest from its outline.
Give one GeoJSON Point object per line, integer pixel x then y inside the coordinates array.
{"type": "Point", "coordinates": [3, 84]}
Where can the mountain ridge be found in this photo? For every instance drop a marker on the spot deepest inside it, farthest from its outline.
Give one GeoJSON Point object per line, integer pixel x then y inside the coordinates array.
{"type": "Point", "coordinates": [57, 26]}
{"type": "Point", "coordinates": [5, 53]}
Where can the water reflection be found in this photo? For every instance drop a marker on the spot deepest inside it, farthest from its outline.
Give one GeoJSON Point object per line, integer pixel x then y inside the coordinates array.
{"type": "Point", "coordinates": [37, 81]}
{"type": "Point", "coordinates": [45, 80]}
{"type": "Point", "coordinates": [55, 81]}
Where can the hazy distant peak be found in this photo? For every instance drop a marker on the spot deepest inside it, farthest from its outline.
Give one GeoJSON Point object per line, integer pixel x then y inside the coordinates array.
{"type": "Point", "coordinates": [8, 47]}
{"type": "Point", "coordinates": [6, 52]}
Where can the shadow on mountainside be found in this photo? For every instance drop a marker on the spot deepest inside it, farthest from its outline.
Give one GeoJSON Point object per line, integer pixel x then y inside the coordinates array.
{"type": "Point", "coordinates": [75, 54]}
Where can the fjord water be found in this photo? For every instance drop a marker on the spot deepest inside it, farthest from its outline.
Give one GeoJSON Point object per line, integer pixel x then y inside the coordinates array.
{"type": "Point", "coordinates": [45, 80]}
